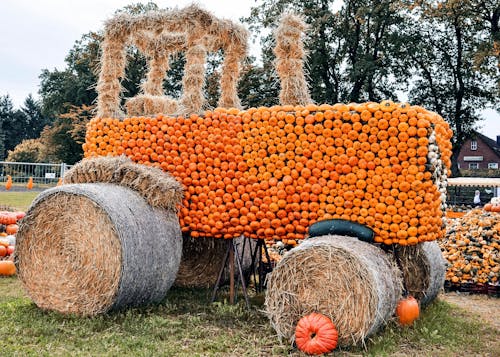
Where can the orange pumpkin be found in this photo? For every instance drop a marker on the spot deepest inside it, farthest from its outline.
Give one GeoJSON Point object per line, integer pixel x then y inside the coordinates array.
{"type": "Point", "coordinates": [407, 311]}
{"type": "Point", "coordinates": [316, 334]}
{"type": "Point", "coordinates": [487, 207]}
{"type": "Point", "coordinates": [12, 229]}
{"type": "Point", "coordinates": [7, 267]}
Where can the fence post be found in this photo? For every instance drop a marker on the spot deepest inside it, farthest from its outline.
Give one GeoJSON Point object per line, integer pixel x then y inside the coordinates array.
{"type": "Point", "coordinates": [63, 170]}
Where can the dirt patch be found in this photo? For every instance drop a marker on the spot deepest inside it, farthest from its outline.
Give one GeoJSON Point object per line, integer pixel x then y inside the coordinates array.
{"type": "Point", "coordinates": [485, 307]}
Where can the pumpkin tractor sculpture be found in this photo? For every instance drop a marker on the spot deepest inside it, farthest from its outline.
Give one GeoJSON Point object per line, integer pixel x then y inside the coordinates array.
{"type": "Point", "coordinates": [365, 183]}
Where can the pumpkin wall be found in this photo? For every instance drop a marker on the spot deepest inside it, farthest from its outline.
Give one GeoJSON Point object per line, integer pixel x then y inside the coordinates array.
{"type": "Point", "coordinates": [272, 172]}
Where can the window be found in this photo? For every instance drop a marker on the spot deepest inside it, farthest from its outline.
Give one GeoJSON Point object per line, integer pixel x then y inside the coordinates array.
{"type": "Point", "coordinates": [493, 165]}
{"type": "Point", "coordinates": [473, 166]}
{"type": "Point", "coordinates": [473, 145]}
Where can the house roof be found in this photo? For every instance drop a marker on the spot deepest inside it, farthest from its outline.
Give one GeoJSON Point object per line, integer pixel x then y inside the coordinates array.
{"type": "Point", "coordinates": [492, 144]}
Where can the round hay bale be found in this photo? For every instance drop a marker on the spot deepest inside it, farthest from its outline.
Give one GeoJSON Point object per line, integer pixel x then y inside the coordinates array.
{"type": "Point", "coordinates": [91, 248]}
{"type": "Point", "coordinates": [354, 283]}
{"type": "Point", "coordinates": [202, 259]}
{"type": "Point", "coordinates": [423, 268]}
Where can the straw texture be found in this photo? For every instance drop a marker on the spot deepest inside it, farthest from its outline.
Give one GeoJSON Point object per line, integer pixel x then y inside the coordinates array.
{"type": "Point", "coordinates": [423, 268]}
{"type": "Point", "coordinates": [90, 248]}
{"type": "Point", "coordinates": [354, 283]}
{"type": "Point", "coordinates": [159, 188]}
{"type": "Point", "coordinates": [202, 259]}
{"type": "Point", "coordinates": [159, 34]}
{"type": "Point", "coordinates": [289, 63]}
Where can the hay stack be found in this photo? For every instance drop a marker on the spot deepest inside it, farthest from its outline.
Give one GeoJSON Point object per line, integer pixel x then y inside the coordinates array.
{"type": "Point", "coordinates": [150, 105]}
{"type": "Point", "coordinates": [352, 282]}
{"type": "Point", "coordinates": [159, 188]}
{"type": "Point", "coordinates": [289, 63]}
{"type": "Point", "coordinates": [202, 259]}
{"type": "Point", "coordinates": [423, 268]}
{"type": "Point", "coordinates": [90, 248]}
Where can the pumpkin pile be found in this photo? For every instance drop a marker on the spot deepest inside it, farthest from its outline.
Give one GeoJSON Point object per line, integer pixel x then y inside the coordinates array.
{"type": "Point", "coordinates": [272, 172]}
{"type": "Point", "coordinates": [8, 229]}
{"type": "Point", "coordinates": [472, 248]}
{"type": "Point", "coordinates": [493, 205]}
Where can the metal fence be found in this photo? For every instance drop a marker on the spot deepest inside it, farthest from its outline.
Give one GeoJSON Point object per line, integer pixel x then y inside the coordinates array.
{"type": "Point", "coordinates": [42, 173]}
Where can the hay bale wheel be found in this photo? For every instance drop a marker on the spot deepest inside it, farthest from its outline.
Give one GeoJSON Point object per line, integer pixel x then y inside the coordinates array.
{"type": "Point", "coordinates": [202, 259]}
{"type": "Point", "coordinates": [90, 248]}
{"type": "Point", "coordinates": [354, 283]}
{"type": "Point", "coordinates": [423, 268]}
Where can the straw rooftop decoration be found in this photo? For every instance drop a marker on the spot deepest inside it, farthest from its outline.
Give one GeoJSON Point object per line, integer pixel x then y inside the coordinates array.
{"type": "Point", "coordinates": [109, 249]}
{"type": "Point", "coordinates": [160, 34]}
{"type": "Point", "coordinates": [423, 268]}
{"type": "Point", "coordinates": [354, 283]}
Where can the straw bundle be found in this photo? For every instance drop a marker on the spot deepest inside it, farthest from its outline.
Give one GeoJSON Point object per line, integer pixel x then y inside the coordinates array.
{"type": "Point", "coordinates": [289, 63]}
{"type": "Point", "coordinates": [423, 268]}
{"type": "Point", "coordinates": [202, 260]}
{"type": "Point", "coordinates": [192, 100]}
{"type": "Point", "coordinates": [150, 105]}
{"type": "Point", "coordinates": [352, 282]}
{"type": "Point", "coordinates": [90, 248]}
{"type": "Point", "coordinates": [157, 187]}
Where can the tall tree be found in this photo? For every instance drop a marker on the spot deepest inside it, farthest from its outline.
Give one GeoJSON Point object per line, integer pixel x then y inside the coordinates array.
{"type": "Point", "coordinates": [351, 50]}
{"type": "Point", "coordinates": [36, 121]}
{"type": "Point", "coordinates": [13, 126]}
{"type": "Point", "coordinates": [444, 54]}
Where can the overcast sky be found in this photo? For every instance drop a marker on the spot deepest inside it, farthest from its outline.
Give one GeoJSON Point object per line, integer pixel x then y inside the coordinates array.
{"type": "Point", "coordinates": [38, 34]}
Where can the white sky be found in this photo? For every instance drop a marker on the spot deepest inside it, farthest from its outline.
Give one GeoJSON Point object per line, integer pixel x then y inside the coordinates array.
{"type": "Point", "coordinates": [38, 34]}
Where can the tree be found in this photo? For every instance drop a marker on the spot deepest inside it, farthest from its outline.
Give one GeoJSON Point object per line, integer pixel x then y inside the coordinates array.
{"type": "Point", "coordinates": [64, 139]}
{"type": "Point", "coordinates": [30, 150]}
{"type": "Point", "coordinates": [13, 126]}
{"type": "Point", "coordinates": [443, 52]}
{"type": "Point", "coordinates": [351, 51]}
{"type": "Point", "coordinates": [35, 119]}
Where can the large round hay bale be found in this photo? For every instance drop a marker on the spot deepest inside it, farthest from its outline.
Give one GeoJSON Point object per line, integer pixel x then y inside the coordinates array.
{"type": "Point", "coordinates": [90, 248]}
{"type": "Point", "coordinates": [202, 259]}
{"type": "Point", "coordinates": [354, 283]}
{"type": "Point", "coordinates": [423, 268]}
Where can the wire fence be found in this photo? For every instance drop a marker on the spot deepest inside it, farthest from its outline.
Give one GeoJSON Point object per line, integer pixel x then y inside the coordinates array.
{"type": "Point", "coordinates": [41, 173]}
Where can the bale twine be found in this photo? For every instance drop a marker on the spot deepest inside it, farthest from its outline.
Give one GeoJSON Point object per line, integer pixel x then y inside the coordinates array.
{"type": "Point", "coordinates": [157, 187]}
{"type": "Point", "coordinates": [354, 283]}
{"type": "Point", "coordinates": [423, 268]}
{"type": "Point", "coordinates": [202, 260]}
{"type": "Point", "coordinates": [90, 248]}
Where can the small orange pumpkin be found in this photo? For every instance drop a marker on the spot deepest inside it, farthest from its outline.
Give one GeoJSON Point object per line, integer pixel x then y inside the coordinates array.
{"type": "Point", "coordinates": [316, 334]}
{"type": "Point", "coordinates": [7, 267]}
{"type": "Point", "coordinates": [407, 310]}
{"type": "Point", "coordinates": [495, 208]}
{"type": "Point", "coordinates": [487, 207]}
{"type": "Point", "coordinates": [12, 229]}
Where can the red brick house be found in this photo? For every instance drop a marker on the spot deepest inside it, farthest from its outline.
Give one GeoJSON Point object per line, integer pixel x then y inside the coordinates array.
{"type": "Point", "coordinates": [480, 153]}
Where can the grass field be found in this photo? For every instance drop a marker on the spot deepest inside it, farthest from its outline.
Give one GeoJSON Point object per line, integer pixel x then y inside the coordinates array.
{"type": "Point", "coordinates": [17, 200]}
{"type": "Point", "coordinates": [186, 324]}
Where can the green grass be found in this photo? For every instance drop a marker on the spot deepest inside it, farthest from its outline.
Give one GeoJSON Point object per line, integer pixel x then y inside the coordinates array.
{"type": "Point", "coordinates": [186, 324]}
{"type": "Point", "coordinates": [17, 200]}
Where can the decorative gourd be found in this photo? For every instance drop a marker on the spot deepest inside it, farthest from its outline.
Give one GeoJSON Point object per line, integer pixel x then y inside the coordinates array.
{"type": "Point", "coordinates": [316, 334]}
{"type": "Point", "coordinates": [8, 184]}
{"type": "Point", "coordinates": [407, 311]}
{"type": "Point", "coordinates": [11, 229]}
{"type": "Point", "coordinates": [7, 267]}
{"type": "Point", "coordinates": [29, 185]}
